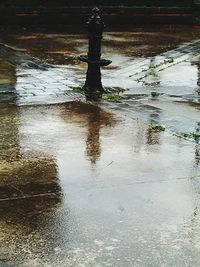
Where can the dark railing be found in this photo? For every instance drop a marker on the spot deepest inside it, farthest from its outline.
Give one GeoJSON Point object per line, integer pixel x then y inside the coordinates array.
{"type": "Point", "coordinates": [114, 11]}
{"type": "Point", "coordinates": [48, 3]}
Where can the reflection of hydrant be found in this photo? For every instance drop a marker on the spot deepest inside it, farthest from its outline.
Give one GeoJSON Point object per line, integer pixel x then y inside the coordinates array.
{"type": "Point", "coordinates": [95, 27]}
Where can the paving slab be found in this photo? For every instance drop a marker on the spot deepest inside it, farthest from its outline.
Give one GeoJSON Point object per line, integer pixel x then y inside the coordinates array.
{"type": "Point", "coordinates": [97, 184]}
{"type": "Point", "coordinates": [80, 191]}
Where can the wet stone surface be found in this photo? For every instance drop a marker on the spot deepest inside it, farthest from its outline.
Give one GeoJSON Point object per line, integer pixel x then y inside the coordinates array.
{"type": "Point", "coordinates": [108, 184]}
{"type": "Point", "coordinates": [71, 197]}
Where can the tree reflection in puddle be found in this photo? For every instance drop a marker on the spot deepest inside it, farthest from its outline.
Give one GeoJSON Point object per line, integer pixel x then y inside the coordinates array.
{"type": "Point", "coordinates": [29, 187]}
{"type": "Point", "coordinates": [34, 220]}
{"type": "Point", "coordinates": [94, 119]}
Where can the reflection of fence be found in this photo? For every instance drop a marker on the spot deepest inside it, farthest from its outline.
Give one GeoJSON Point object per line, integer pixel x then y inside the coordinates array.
{"type": "Point", "coordinates": [62, 11]}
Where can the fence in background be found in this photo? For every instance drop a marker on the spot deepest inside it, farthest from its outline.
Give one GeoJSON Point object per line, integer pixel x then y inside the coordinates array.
{"type": "Point", "coordinates": [116, 11]}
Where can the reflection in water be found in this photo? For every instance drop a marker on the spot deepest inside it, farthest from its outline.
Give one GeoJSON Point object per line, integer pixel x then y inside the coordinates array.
{"type": "Point", "coordinates": [9, 134]}
{"type": "Point", "coordinates": [197, 147]}
{"type": "Point", "coordinates": [41, 227]}
{"type": "Point", "coordinates": [95, 119]}
{"type": "Point", "coordinates": [93, 146]}
{"type": "Point", "coordinates": [29, 186]}
{"type": "Point", "coordinates": [198, 79]}
{"type": "Point", "coordinates": [33, 216]}
{"type": "Point", "coordinates": [7, 73]}
{"type": "Point", "coordinates": [198, 74]}
{"type": "Point", "coordinates": [152, 78]}
{"type": "Point", "coordinates": [8, 80]}
{"type": "Point", "coordinates": [23, 174]}
{"type": "Point", "coordinates": [153, 137]}
{"type": "Point", "coordinates": [146, 134]}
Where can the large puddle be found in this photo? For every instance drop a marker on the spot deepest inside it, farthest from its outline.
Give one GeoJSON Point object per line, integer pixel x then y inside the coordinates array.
{"type": "Point", "coordinates": [81, 186]}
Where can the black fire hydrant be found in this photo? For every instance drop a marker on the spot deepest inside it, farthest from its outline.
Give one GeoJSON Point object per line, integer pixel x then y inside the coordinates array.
{"type": "Point", "coordinates": [93, 86]}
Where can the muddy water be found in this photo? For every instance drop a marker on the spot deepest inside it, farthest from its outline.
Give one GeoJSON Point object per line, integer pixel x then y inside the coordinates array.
{"type": "Point", "coordinates": [81, 186]}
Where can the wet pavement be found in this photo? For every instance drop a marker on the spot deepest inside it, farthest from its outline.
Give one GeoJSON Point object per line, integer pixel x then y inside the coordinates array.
{"type": "Point", "coordinates": [100, 184]}
{"type": "Point", "coordinates": [84, 188]}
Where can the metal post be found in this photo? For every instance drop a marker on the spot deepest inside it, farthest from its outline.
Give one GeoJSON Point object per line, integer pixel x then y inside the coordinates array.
{"type": "Point", "coordinates": [93, 85]}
